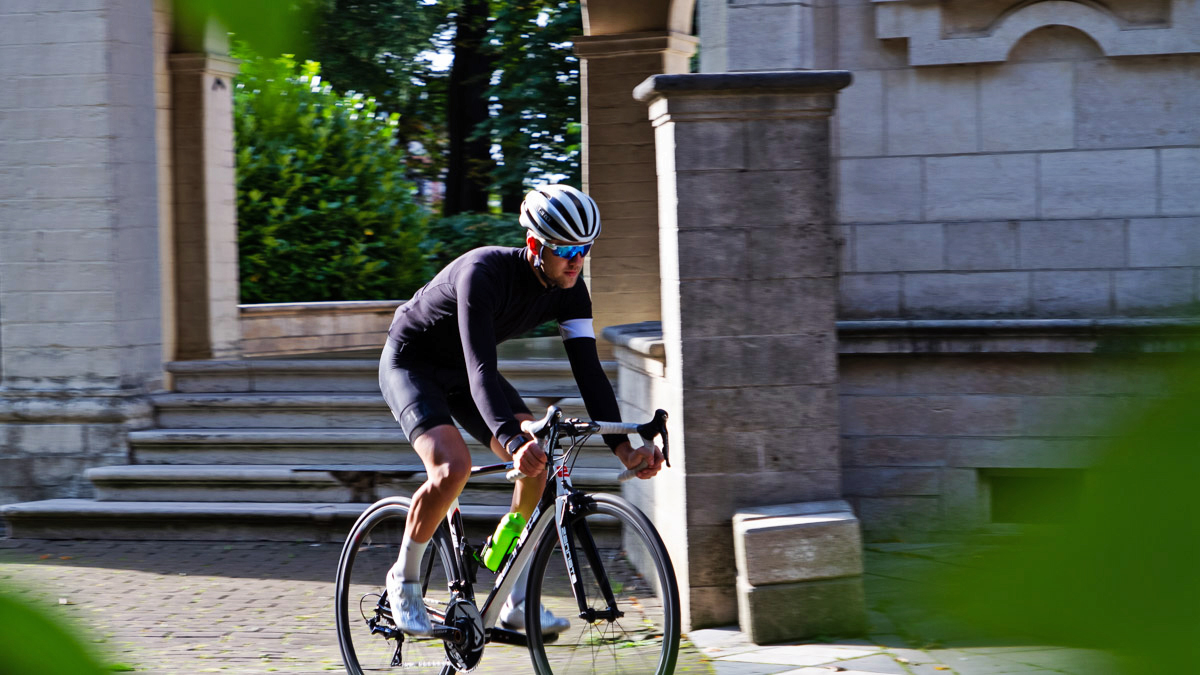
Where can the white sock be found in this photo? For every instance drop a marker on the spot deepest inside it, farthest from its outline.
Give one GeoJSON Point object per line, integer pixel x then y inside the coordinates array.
{"type": "Point", "coordinates": [517, 596]}
{"type": "Point", "coordinates": [409, 560]}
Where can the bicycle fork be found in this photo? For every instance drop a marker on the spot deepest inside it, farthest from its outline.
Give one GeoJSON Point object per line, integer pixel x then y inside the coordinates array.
{"type": "Point", "coordinates": [567, 506]}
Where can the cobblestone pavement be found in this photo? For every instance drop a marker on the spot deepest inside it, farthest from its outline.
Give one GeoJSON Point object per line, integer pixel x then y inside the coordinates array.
{"type": "Point", "coordinates": [251, 607]}
{"type": "Point", "coordinates": [197, 607]}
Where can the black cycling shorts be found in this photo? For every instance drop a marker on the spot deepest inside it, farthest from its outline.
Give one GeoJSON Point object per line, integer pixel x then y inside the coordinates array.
{"type": "Point", "coordinates": [423, 396]}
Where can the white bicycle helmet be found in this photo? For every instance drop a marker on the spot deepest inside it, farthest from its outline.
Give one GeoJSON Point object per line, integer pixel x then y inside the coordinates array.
{"type": "Point", "coordinates": [561, 213]}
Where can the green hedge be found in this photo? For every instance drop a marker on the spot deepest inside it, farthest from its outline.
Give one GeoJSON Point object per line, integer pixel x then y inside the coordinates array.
{"type": "Point", "coordinates": [324, 209]}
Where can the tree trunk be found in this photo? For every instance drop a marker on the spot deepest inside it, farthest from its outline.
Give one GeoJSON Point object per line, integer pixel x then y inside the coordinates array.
{"type": "Point", "coordinates": [470, 160]}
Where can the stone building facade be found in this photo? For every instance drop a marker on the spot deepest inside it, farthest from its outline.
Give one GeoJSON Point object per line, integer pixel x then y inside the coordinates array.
{"type": "Point", "coordinates": [1017, 184]}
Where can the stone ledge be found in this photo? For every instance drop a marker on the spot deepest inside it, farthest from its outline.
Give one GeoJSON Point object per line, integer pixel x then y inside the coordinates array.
{"type": "Point", "coordinates": [788, 612]}
{"type": "Point", "coordinates": [783, 82]}
{"type": "Point", "coordinates": [976, 336]}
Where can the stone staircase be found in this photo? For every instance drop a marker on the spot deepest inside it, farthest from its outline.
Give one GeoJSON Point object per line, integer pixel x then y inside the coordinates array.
{"type": "Point", "coordinates": [221, 462]}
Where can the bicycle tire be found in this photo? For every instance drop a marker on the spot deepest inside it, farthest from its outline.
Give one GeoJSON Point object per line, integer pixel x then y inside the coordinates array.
{"type": "Point", "coordinates": [646, 639]}
{"type": "Point", "coordinates": [370, 550]}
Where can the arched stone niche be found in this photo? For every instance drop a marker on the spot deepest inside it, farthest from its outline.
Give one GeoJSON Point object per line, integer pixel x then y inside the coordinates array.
{"type": "Point", "coordinates": [951, 32]}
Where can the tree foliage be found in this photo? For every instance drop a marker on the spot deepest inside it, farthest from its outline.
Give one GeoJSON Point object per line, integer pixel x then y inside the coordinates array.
{"type": "Point", "coordinates": [535, 96]}
{"type": "Point", "coordinates": [325, 211]}
{"type": "Point", "coordinates": [384, 48]}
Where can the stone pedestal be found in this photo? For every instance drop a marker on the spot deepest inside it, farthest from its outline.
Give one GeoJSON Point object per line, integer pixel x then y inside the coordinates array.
{"type": "Point", "coordinates": [748, 265]}
{"type": "Point", "coordinates": [205, 201]}
{"type": "Point", "coordinates": [618, 169]}
{"type": "Point", "coordinates": [799, 571]}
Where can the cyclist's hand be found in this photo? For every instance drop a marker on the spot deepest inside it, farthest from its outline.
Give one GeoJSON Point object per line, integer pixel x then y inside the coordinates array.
{"type": "Point", "coordinates": [530, 459]}
{"type": "Point", "coordinates": [650, 455]}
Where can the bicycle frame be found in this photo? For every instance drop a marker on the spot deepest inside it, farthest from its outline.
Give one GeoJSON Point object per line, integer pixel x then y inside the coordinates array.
{"type": "Point", "coordinates": [559, 498]}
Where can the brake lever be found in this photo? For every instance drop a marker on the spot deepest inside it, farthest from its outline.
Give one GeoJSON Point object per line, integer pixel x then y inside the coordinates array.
{"type": "Point", "coordinates": [657, 427]}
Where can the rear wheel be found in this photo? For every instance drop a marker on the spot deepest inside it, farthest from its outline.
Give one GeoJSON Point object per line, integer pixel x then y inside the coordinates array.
{"type": "Point", "coordinates": [367, 636]}
{"type": "Point", "coordinates": [639, 633]}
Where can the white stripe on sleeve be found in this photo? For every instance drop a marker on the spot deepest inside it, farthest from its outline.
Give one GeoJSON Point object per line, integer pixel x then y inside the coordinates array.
{"type": "Point", "coordinates": [576, 328]}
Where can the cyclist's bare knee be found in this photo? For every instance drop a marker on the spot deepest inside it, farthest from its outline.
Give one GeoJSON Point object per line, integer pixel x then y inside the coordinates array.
{"type": "Point", "coordinates": [445, 455]}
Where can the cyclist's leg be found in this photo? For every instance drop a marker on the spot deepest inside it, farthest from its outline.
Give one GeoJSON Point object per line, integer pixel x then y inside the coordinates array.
{"type": "Point", "coordinates": [418, 402]}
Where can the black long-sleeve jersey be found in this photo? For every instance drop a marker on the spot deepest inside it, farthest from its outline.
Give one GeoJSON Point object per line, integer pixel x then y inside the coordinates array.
{"type": "Point", "coordinates": [490, 295]}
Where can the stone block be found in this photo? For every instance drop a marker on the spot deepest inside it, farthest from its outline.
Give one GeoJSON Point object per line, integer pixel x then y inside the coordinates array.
{"type": "Point", "coordinates": [1153, 291]}
{"type": "Point", "coordinates": [972, 294]}
{"type": "Point", "coordinates": [874, 451]}
{"type": "Point", "coordinates": [787, 612]}
{"type": "Point", "coordinates": [1180, 166]}
{"type": "Point", "coordinates": [898, 248]}
{"type": "Point", "coordinates": [932, 111]}
{"type": "Point", "coordinates": [771, 198]}
{"type": "Point", "coordinates": [769, 450]}
{"type": "Point", "coordinates": [759, 307]}
{"type": "Point", "coordinates": [879, 190]}
{"type": "Point", "coordinates": [898, 518]}
{"type": "Point", "coordinates": [981, 187]}
{"type": "Point", "coordinates": [930, 415]}
{"type": "Point", "coordinates": [1069, 294]}
{"type": "Point", "coordinates": [760, 361]}
{"type": "Point", "coordinates": [770, 488]}
{"type": "Point", "coordinates": [859, 116]}
{"type": "Point", "coordinates": [787, 145]}
{"type": "Point", "coordinates": [981, 246]}
{"type": "Point", "coordinates": [1079, 244]}
{"type": "Point", "coordinates": [1165, 242]}
{"type": "Point", "coordinates": [1027, 106]}
{"type": "Point", "coordinates": [797, 542]}
{"type": "Point", "coordinates": [869, 296]}
{"type": "Point", "coordinates": [1137, 102]}
{"type": "Point", "coordinates": [891, 482]}
{"type": "Point", "coordinates": [709, 145]}
{"type": "Point", "coordinates": [1098, 184]}
{"type": "Point", "coordinates": [710, 606]}
{"type": "Point", "coordinates": [713, 253]}
{"type": "Point", "coordinates": [858, 48]}
{"type": "Point", "coordinates": [779, 37]}
{"type": "Point", "coordinates": [811, 251]}
{"type": "Point", "coordinates": [711, 561]}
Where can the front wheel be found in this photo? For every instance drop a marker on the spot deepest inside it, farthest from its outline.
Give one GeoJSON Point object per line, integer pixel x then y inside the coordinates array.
{"type": "Point", "coordinates": [614, 546]}
{"type": "Point", "coordinates": [368, 639]}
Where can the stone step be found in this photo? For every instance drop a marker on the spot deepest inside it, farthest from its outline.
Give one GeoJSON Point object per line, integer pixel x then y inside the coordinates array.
{"type": "Point", "coordinates": [304, 446]}
{"type": "Point", "coordinates": [206, 521]}
{"type": "Point", "coordinates": [274, 484]}
{"type": "Point", "coordinates": [535, 377]}
{"type": "Point", "coordinates": [211, 521]}
{"type": "Point", "coordinates": [324, 410]}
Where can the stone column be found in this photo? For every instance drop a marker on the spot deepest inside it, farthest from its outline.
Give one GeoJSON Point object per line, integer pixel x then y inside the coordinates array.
{"type": "Point", "coordinates": [748, 263]}
{"type": "Point", "coordinates": [80, 340]}
{"type": "Point", "coordinates": [618, 169]}
{"type": "Point", "coordinates": [206, 272]}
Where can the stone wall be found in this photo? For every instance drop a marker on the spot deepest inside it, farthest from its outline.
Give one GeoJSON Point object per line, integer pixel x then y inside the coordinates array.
{"type": "Point", "coordinates": [80, 325]}
{"type": "Point", "coordinates": [1047, 173]}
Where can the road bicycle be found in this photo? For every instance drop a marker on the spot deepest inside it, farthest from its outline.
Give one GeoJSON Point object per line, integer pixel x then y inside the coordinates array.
{"type": "Point", "coordinates": [593, 558]}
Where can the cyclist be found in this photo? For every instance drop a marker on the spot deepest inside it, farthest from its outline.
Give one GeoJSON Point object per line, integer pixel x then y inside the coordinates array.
{"type": "Point", "coordinates": [439, 365]}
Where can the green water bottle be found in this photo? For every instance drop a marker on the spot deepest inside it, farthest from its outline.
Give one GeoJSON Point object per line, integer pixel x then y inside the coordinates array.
{"type": "Point", "coordinates": [502, 540]}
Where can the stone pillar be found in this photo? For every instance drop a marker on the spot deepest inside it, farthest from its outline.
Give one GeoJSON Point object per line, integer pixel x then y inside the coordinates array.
{"type": "Point", "coordinates": [206, 272]}
{"type": "Point", "coordinates": [80, 340]}
{"type": "Point", "coordinates": [618, 169]}
{"type": "Point", "coordinates": [749, 292]}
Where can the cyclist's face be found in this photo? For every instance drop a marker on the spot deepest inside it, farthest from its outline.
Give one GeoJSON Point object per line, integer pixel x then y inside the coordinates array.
{"type": "Point", "coordinates": [564, 273]}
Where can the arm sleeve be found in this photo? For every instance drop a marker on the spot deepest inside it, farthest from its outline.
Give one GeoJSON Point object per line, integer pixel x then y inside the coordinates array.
{"type": "Point", "coordinates": [597, 392]}
{"type": "Point", "coordinates": [477, 299]}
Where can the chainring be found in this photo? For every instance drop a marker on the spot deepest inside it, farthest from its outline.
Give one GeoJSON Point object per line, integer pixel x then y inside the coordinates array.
{"type": "Point", "coordinates": [464, 616]}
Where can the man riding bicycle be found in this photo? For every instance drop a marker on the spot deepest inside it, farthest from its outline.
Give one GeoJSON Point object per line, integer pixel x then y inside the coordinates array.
{"type": "Point", "coordinates": [439, 366]}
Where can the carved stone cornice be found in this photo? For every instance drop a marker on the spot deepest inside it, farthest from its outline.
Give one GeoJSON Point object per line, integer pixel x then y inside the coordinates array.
{"type": "Point", "coordinates": [921, 23]}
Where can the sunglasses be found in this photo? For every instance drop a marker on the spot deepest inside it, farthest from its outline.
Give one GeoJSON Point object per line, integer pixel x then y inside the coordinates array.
{"type": "Point", "coordinates": [568, 252]}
